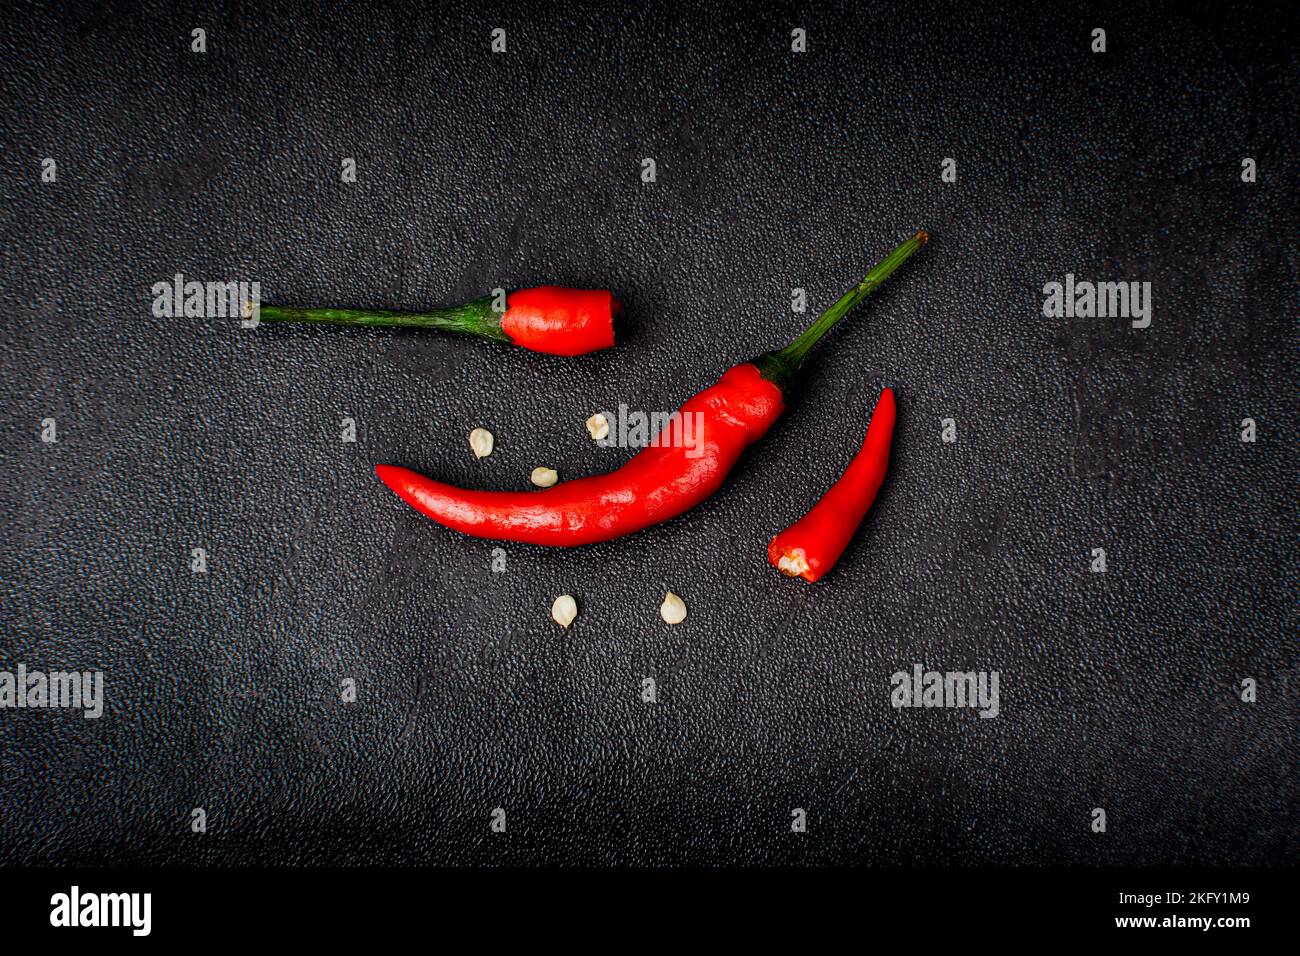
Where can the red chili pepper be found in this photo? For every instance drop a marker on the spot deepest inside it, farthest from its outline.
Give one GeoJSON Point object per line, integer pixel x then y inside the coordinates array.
{"type": "Point", "coordinates": [811, 546]}
{"type": "Point", "coordinates": [560, 321]}
{"type": "Point", "coordinates": [548, 319]}
{"type": "Point", "coordinates": [661, 481]}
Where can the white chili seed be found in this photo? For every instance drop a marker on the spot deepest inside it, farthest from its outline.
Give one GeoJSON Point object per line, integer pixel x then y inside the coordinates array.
{"type": "Point", "coordinates": [481, 442]}
{"type": "Point", "coordinates": [673, 610]}
{"type": "Point", "coordinates": [544, 477]}
{"type": "Point", "coordinates": [564, 610]}
{"type": "Point", "coordinates": [598, 427]}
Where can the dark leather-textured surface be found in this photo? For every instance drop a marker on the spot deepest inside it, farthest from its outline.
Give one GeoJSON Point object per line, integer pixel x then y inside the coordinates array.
{"type": "Point", "coordinates": [775, 170]}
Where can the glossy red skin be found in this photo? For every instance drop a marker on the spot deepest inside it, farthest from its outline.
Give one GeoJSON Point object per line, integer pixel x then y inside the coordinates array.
{"type": "Point", "coordinates": [560, 321]}
{"type": "Point", "coordinates": [825, 531]}
{"type": "Point", "coordinates": [657, 484]}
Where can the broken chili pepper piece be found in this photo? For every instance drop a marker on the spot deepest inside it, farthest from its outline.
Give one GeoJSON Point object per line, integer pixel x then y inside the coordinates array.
{"type": "Point", "coordinates": [662, 480]}
{"type": "Point", "coordinates": [560, 321]}
{"type": "Point", "coordinates": [811, 546]}
{"type": "Point", "coordinates": [548, 319]}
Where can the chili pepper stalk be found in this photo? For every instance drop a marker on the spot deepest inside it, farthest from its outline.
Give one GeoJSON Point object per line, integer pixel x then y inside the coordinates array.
{"type": "Point", "coordinates": [782, 365]}
{"type": "Point", "coordinates": [548, 319]}
{"type": "Point", "coordinates": [662, 480]}
{"type": "Point", "coordinates": [473, 318]}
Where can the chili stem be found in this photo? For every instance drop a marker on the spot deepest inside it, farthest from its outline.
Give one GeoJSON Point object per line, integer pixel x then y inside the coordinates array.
{"type": "Point", "coordinates": [794, 353]}
{"type": "Point", "coordinates": [477, 318]}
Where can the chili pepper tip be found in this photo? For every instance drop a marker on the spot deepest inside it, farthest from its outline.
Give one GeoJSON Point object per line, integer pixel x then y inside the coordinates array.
{"type": "Point", "coordinates": [391, 475]}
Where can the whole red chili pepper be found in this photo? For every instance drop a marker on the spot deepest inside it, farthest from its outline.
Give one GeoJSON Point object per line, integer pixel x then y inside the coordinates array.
{"type": "Point", "coordinates": [661, 481]}
{"type": "Point", "coordinates": [811, 546]}
{"type": "Point", "coordinates": [548, 319]}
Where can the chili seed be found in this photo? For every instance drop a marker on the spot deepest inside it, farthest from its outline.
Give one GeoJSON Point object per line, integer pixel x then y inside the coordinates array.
{"type": "Point", "coordinates": [564, 610]}
{"type": "Point", "coordinates": [598, 427]}
{"type": "Point", "coordinates": [544, 477]}
{"type": "Point", "coordinates": [673, 610]}
{"type": "Point", "coordinates": [481, 442]}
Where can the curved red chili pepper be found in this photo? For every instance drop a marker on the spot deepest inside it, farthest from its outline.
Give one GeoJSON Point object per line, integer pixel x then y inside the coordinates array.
{"type": "Point", "coordinates": [548, 319]}
{"type": "Point", "coordinates": [560, 321]}
{"type": "Point", "coordinates": [811, 546]}
{"type": "Point", "coordinates": [662, 480]}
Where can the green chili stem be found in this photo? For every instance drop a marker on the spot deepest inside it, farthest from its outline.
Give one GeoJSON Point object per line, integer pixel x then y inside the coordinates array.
{"type": "Point", "coordinates": [476, 318]}
{"type": "Point", "coordinates": [794, 353]}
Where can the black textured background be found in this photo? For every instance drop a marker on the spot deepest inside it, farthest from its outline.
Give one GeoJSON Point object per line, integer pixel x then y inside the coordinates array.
{"type": "Point", "coordinates": [775, 170]}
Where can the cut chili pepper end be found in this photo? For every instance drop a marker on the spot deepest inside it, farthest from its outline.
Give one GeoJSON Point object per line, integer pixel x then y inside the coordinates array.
{"type": "Point", "coordinates": [560, 321]}
{"type": "Point", "coordinates": [794, 563]}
